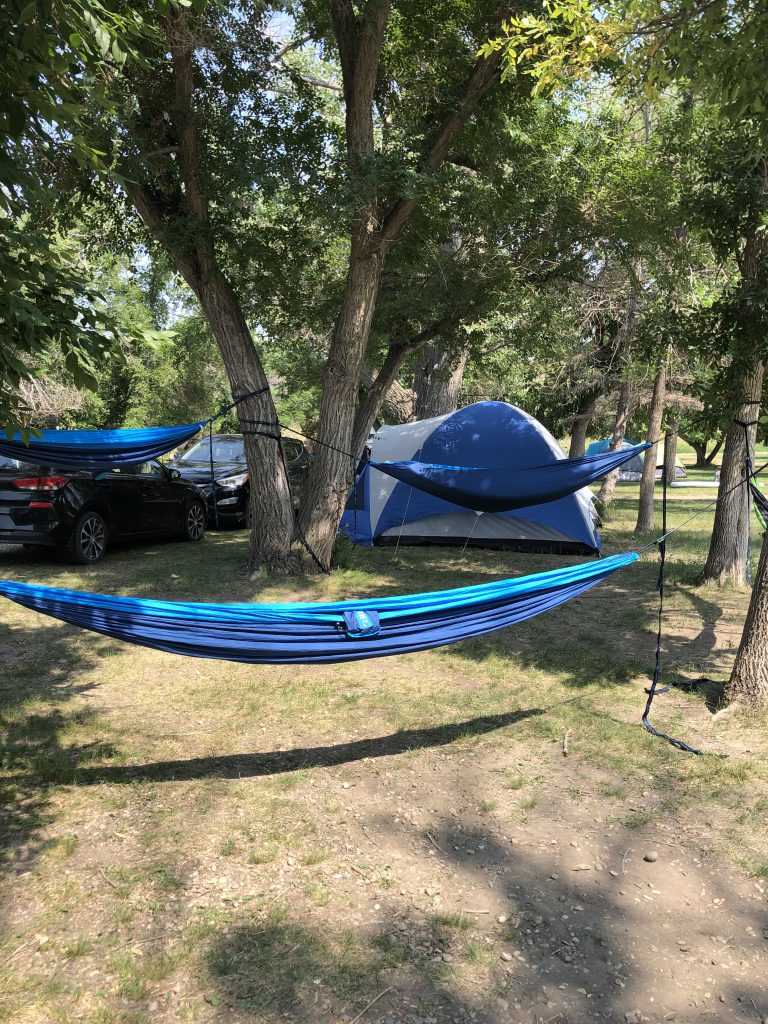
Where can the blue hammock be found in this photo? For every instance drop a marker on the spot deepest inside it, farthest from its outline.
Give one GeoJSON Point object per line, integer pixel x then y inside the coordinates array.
{"type": "Point", "coordinates": [502, 489]}
{"type": "Point", "coordinates": [322, 632]}
{"type": "Point", "coordinates": [97, 449]}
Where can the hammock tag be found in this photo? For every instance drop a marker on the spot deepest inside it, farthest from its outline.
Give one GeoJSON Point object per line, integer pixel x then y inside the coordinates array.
{"type": "Point", "coordinates": [361, 624]}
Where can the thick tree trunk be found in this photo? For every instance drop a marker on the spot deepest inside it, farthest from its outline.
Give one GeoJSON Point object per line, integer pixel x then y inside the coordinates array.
{"type": "Point", "coordinates": [374, 231]}
{"type": "Point", "coordinates": [581, 424]}
{"type": "Point", "coordinates": [703, 461]}
{"type": "Point", "coordinates": [749, 679]}
{"type": "Point", "coordinates": [333, 469]}
{"type": "Point", "coordinates": [648, 479]}
{"type": "Point", "coordinates": [619, 429]}
{"type": "Point", "coordinates": [670, 452]}
{"type": "Point", "coordinates": [271, 506]}
{"type": "Point", "coordinates": [727, 558]}
{"type": "Point", "coordinates": [707, 460]}
{"type": "Point", "coordinates": [437, 381]}
{"type": "Point", "coordinates": [701, 454]}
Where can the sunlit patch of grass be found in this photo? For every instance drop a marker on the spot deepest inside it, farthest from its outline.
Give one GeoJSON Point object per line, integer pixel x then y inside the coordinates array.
{"type": "Point", "coordinates": [313, 857]}
{"type": "Point", "coordinates": [228, 846]}
{"type": "Point", "coordinates": [79, 947]}
{"type": "Point", "coordinates": [756, 868]}
{"type": "Point", "coordinates": [527, 803]}
{"type": "Point", "coordinates": [451, 919]}
{"type": "Point", "coordinates": [638, 819]}
{"type": "Point", "coordinates": [262, 855]}
{"type": "Point", "coordinates": [614, 792]}
{"type": "Point", "coordinates": [486, 806]}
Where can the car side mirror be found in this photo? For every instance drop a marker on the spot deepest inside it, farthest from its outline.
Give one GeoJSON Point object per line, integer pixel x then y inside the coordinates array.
{"type": "Point", "coordinates": [174, 474]}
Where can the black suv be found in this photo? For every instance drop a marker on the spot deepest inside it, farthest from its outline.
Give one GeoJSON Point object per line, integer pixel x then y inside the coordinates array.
{"type": "Point", "coordinates": [231, 502]}
{"type": "Point", "coordinates": [82, 511]}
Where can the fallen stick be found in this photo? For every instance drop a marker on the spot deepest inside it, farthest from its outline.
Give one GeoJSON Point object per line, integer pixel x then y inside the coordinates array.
{"type": "Point", "coordinates": [365, 1009]}
{"type": "Point", "coordinates": [565, 742]}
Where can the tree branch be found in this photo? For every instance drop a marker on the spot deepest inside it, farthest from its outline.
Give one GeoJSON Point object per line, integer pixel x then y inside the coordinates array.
{"type": "Point", "coordinates": [484, 75]}
{"type": "Point", "coordinates": [182, 49]}
{"type": "Point", "coordinates": [396, 355]}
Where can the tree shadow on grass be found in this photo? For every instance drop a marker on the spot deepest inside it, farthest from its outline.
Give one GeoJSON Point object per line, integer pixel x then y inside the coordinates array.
{"type": "Point", "coordinates": [37, 666]}
{"type": "Point", "coordinates": [237, 766]}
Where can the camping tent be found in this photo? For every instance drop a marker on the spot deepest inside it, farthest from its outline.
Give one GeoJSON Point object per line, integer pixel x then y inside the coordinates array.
{"type": "Point", "coordinates": [632, 470]}
{"type": "Point", "coordinates": [383, 510]}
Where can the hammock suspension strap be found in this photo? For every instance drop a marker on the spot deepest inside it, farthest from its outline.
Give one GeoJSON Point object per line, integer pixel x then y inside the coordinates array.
{"type": "Point", "coordinates": [747, 477]}
{"type": "Point", "coordinates": [654, 688]}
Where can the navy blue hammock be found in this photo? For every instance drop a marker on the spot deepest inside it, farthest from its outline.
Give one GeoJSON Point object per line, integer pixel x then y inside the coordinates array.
{"type": "Point", "coordinates": [500, 489]}
{"type": "Point", "coordinates": [332, 631]}
{"type": "Point", "coordinates": [97, 449]}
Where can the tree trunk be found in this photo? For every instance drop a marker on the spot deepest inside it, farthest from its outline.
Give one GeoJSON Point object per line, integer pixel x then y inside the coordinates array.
{"type": "Point", "coordinates": [709, 459]}
{"type": "Point", "coordinates": [397, 401]}
{"type": "Point", "coordinates": [271, 506]}
{"type": "Point", "coordinates": [749, 679]}
{"type": "Point", "coordinates": [581, 424]}
{"type": "Point", "coordinates": [333, 469]}
{"type": "Point", "coordinates": [701, 454]}
{"type": "Point", "coordinates": [624, 344]}
{"type": "Point", "coordinates": [374, 231]}
{"type": "Point", "coordinates": [437, 381]}
{"type": "Point", "coordinates": [619, 428]}
{"type": "Point", "coordinates": [727, 558]}
{"type": "Point", "coordinates": [648, 479]}
{"type": "Point", "coordinates": [670, 452]}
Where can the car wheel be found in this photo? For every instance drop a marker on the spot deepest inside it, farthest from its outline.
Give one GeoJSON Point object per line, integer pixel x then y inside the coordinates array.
{"type": "Point", "coordinates": [88, 540]}
{"type": "Point", "coordinates": [194, 521]}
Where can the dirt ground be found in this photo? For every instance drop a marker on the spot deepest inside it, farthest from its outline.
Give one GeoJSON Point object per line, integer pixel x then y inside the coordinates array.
{"type": "Point", "coordinates": [484, 903]}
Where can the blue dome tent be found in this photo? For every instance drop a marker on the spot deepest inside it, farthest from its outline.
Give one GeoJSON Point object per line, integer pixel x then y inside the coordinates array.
{"type": "Point", "coordinates": [383, 510]}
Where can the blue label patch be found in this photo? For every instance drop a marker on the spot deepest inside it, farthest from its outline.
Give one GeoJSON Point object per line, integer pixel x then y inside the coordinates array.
{"type": "Point", "coordinates": [361, 623]}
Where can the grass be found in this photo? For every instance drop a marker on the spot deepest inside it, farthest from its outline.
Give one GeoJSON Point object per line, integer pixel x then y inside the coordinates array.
{"type": "Point", "coordinates": [180, 824]}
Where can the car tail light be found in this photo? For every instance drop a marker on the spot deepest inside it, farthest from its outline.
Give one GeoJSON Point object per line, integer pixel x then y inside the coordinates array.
{"type": "Point", "coordinates": [41, 504]}
{"type": "Point", "coordinates": [41, 483]}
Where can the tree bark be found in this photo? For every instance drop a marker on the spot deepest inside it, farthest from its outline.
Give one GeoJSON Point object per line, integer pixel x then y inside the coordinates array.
{"type": "Point", "coordinates": [670, 452]}
{"type": "Point", "coordinates": [581, 424]}
{"type": "Point", "coordinates": [374, 231]}
{"type": "Point", "coordinates": [619, 429]}
{"type": "Point", "coordinates": [727, 558]}
{"type": "Point", "coordinates": [272, 514]}
{"type": "Point", "coordinates": [398, 401]}
{"type": "Point", "coordinates": [437, 381]}
{"type": "Point", "coordinates": [749, 679]}
{"type": "Point", "coordinates": [703, 461]}
{"type": "Point", "coordinates": [624, 344]}
{"type": "Point", "coordinates": [648, 478]}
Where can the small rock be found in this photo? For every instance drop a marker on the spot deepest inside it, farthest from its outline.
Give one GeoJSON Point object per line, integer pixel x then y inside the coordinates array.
{"type": "Point", "coordinates": [582, 867]}
{"type": "Point", "coordinates": [505, 956]}
{"type": "Point", "coordinates": [651, 856]}
{"type": "Point", "coordinates": [502, 918]}
{"type": "Point", "coordinates": [345, 785]}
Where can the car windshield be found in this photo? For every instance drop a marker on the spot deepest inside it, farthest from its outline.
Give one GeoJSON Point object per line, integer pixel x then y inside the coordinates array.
{"type": "Point", "coordinates": [225, 449]}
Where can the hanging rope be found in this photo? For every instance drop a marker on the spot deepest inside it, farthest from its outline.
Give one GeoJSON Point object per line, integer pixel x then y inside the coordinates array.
{"type": "Point", "coordinates": [747, 476]}
{"type": "Point", "coordinates": [654, 688]}
{"type": "Point", "coordinates": [213, 475]}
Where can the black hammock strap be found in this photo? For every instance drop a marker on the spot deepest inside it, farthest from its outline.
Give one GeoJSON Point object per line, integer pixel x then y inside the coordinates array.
{"type": "Point", "coordinates": [654, 688]}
